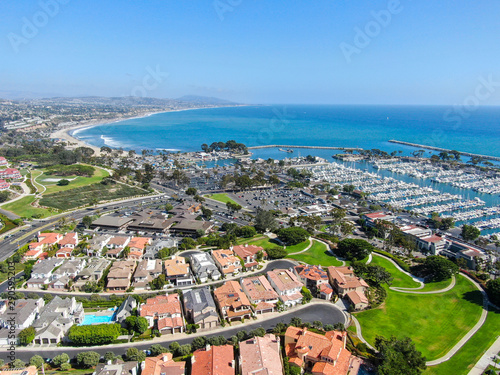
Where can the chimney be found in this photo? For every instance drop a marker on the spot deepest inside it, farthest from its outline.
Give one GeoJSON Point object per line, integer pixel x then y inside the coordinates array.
{"type": "Point", "coordinates": [233, 363]}
{"type": "Point", "coordinates": [246, 245]}
{"type": "Point", "coordinates": [207, 347]}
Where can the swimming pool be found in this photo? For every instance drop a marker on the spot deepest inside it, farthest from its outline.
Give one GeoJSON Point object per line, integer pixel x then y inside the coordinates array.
{"type": "Point", "coordinates": [97, 319]}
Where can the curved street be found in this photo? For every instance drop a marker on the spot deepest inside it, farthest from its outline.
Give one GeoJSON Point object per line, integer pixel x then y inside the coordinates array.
{"type": "Point", "coordinates": [325, 312]}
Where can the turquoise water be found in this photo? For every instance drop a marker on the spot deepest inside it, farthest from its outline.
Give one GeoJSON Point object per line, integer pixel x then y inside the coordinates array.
{"type": "Point", "coordinates": [348, 126]}
{"type": "Point", "coordinates": [96, 319]}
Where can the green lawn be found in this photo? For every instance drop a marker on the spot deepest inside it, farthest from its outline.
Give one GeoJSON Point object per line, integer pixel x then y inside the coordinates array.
{"type": "Point", "coordinates": [428, 287]}
{"type": "Point", "coordinates": [75, 181]}
{"type": "Point", "coordinates": [401, 279]}
{"type": "Point", "coordinates": [435, 322]}
{"type": "Point", "coordinates": [317, 255]}
{"type": "Point", "coordinates": [463, 361]}
{"type": "Point", "coordinates": [23, 208]}
{"type": "Point", "coordinates": [221, 197]}
{"type": "Point", "coordinates": [34, 175]}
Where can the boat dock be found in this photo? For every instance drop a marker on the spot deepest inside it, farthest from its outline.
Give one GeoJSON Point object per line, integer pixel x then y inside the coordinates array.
{"type": "Point", "coordinates": [315, 147]}
{"type": "Point", "coordinates": [496, 158]}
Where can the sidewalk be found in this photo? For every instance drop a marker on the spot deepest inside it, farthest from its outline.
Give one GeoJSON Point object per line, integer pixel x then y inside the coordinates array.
{"type": "Point", "coordinates": [486, 359]}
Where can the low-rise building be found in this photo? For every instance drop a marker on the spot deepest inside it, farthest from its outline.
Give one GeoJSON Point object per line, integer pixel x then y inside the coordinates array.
{"type": "Point", "coordinates": [147, 270]}
{"type": "Point", "coordinates": [4, 185]}
{"type": "Point", "coordinates": [164, 312]}
{"type": "Point", "coordinates": [287, 285]}
{"type": "Point", "coordinates": [93, 271]}
{"type": "Point", "coordinates": [21, 314]}
{"type": "Point", "coordinates": [204, 267]}
{"type": "Point", "coordinates": [213, 360]}
{"type": "Point", "coordinates": [311, 276]}
{"type": "Point", "coordinates": [249, 254]}
{"type": "Point", "coordinates": [120, 275]}
{"type": "Point", "coordinates": [97, 243]}
{"type": "Point", "coordinates": [153, 249]}
{"type": "Point", "coordinates": [10, 173]}
{"type": "Point", "coordinates": [56, 318]}
{"type": "Point", "coordinates": [137, 246]}
{"type": "Point", "coordinates": [316, 353]}
{"type": "Point", "coordinates": [433, 244]}
{"type": "Point", "coordinates": [111, 222]}
{"type": "Point", "coordinates": [260, 293]}
{"type": "Point", "coordinates": [199, 308]}
{"type": "Point", "coordinates": [117, 367]}
{"type": "Point", "coordinates": [227, 262]}
{"type": "Point", "coordinates": [232, 301]}
{"type": "Point", "coordinates": [177, 272]}
{"type": "Point", "coordinates": [163, 364]}
{"type": "Point", "coordinates": [125, 310]}
{"type": "Point", "coordinates": [261, 355]}
{"type": "Point", "coordinates": [344, 281]}
{"type": "Point", "coordinates": [42, 272]}
{"type": "Point", "coordinates": [358, 300]}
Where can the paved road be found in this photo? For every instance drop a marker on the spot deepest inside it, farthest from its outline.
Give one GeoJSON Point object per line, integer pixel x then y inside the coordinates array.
{"type": "Point", "coordinates": [323, 311]}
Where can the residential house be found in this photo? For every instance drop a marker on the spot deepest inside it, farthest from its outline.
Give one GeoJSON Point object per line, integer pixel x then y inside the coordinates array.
{"type": "Point", "coordinates": [116, 245]}
{"type": "Point", "coordinates": [199, 308]}
{"type": "Point", "coordinates": [56, 318]}
{"type": "Point", "coordinates": [67, 245]}
{"type": "Point", "coordinates": [249, 254]}
{"type": "Point", "coordinates": [22, 314]}
{"type": "Point", "coordinates": [97, 243]}
{"type": "Point", "coordinates": [44, 242]}
{"type": "Point", "coordinates": [311, 276]}
{"type": "Point", "coordinates": [3, 161]}
{"type": "Point", "coordinates": [164, 312]}
{"type": "Point", "coordinates": [137, 246]}
{"type": "Point", "coordinates": [30, 370]}
{"type": "Point", "coordinates": [316, 353]}
{"type": "Point", "coordinates": [261, 355]}
{"type": "Point", "coordinates": [117, 367]}
{"type": "Point", "coordinates": [153, 249]}
{"type": "Point", "coordinates": [120, 275]}
{"type": "Point", "coordinates": [92, 272]}
{"type": "Point", "coordinates": [125, 310]}
{"type": "Point", "coordinates": [232, 301]}
{"type": "Point", "coordinates": [213, 360]}
{"type": "Point", "coordinates": [358, 300]}
{"type": "Point", "coordinates": [344, 281]}
{"type": "Point", "coordinates": [177, 272]}
{"type": "Point", "coordinates": [66, 272]}
{"type": "Point", "coordinates": [41, 273]}
{"type": "Point", "coordinates": [227, 262]}
{"type": "Point", "coordinates": [287, 285]}
{"type": "Point", "coordinates": [204, 267]}
{"type": "Point", "coordinates": [147, 270]}
{"type": "Point", "coordinates": [163, 364]}
{"type": "Point", "coordinates": [261, 293]}
{"type": "Point", "coordinates": [325, 291]}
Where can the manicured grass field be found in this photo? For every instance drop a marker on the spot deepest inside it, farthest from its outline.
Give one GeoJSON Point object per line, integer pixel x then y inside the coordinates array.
{"type": "Point", "coordinates": [75, 181]}
{"type": "Point", "coordinates": [317, 255]}
{"type": "Point", "coordinates": [267, 243]}
{"type": "Point", "coordinates": [428, 287]}
{"type": "Point", "coordinates": [23, 208]}
{"type": "Point", "coordinates": [401, 279]}
{"type": "Point", "coordinates": [34, 175]}
{"type": "Point", "coordinates": [221, 197]}
{"type": "Point", "coordinates": [463, 361]}
{"type": "Point", "coordinates": [435, 322]}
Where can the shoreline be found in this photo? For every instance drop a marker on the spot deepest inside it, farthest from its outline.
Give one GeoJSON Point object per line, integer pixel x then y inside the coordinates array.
{"type": "Point", "coordinates": [74, 142]}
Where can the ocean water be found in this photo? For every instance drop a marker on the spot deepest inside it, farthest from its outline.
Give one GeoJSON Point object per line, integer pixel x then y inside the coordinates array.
{"type": "Point", "coordinates": [477, 131]}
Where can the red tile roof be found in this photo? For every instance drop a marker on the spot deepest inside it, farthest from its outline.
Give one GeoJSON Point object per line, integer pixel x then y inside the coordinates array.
{"type": "Point", "coordinates": [217, 360]}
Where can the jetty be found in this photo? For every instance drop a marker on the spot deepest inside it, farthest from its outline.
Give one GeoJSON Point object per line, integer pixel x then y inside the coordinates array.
{"type": "Point", "coordinates": [314, 147]}
{"type": "Point", "coordinates": [487, 157]}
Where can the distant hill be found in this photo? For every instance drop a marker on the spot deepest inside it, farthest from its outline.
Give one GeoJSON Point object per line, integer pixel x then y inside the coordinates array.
{"type": "Point", "coordinates": [205, 100]}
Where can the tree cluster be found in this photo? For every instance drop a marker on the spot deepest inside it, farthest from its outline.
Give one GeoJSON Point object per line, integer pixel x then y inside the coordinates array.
{"type": "Point", "coordinates": [99, 334]}
{"type": "Point", "coordinates": [354, 249]}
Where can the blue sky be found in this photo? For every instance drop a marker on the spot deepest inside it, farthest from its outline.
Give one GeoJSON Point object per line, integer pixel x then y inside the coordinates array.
{"type": "Point", "coordinates": [254, 51]}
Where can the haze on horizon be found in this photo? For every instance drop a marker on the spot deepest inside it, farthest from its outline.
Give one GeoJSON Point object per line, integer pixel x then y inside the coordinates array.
{"type": "Point", "coordinates": [322, 52]}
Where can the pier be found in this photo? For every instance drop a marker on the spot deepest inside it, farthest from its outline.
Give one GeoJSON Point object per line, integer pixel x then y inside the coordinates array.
{"type": "Point", "coordinates": [496, 158]}
{"type": "Point", "coordinates": [314, 147]}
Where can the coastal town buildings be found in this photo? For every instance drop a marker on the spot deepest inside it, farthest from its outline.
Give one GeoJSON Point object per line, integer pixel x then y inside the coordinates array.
{"type": "Point", "coordinates": [177, 272]}
{"type": "Point", "coordinates": [249, 254]}
{"type": "Point", "coordinates": [163, 364]}
{"type": "Point", "coordinates": [260, 293]}
{"type": "Point", "coordinates": [227, 262]}
{"type": "Point", "coordinates": [164, 313]}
